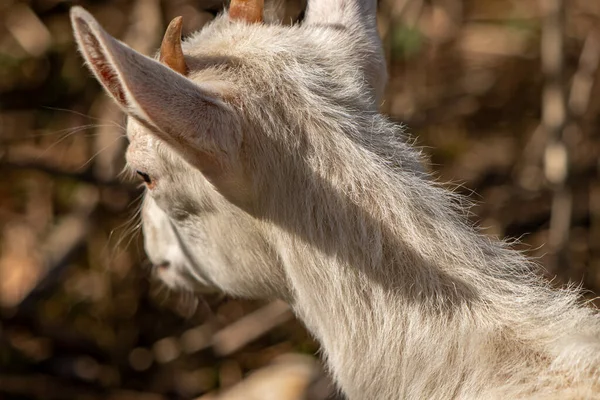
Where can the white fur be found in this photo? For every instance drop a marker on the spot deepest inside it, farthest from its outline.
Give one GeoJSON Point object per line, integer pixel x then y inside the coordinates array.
{"type": "Point", "coordinates": [275, 176]}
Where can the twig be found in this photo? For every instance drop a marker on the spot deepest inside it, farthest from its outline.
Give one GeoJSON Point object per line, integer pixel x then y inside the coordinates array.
{"type": "Point", "coordinates": [251, 327]}
{"type": "Point", "coordinates": [579, 101]}
{"type": "Point", "coordinates": [49, 388]}
{"type": "Point", "coordinates": [63, 241]}
{"type": "Point", "coordinates": [583, 81]}
{"type": "Point", "coordinates": [28, 30]}
{"type": "Point", "coordinates": [557, 148]}
{"type": "Point", "coordinates": [554, 121]}
{"type": "Point", "coordinates": [528, 171]}
{"type": "Point", "coordinates": [289, 378]}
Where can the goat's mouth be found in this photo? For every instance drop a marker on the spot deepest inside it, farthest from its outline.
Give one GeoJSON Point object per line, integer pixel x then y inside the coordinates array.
{"type": "Point", "coordinates": [178, 277]}
{"type": "Point", "coordinates": [167, 273]}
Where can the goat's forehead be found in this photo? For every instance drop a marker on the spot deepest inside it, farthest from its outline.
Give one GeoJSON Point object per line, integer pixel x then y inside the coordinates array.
{"type": "Point", "coordinates": [225, 39]}
{"type": "Point", "coordinates": [148, 153]}
{"type": "Point", "coordinates": [136, 132]}
{"type": "Point", "coordinates": [144, 146]}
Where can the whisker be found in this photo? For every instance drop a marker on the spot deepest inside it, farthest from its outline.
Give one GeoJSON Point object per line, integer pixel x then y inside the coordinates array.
{"type": "Point", "coordinates": [129, 226]}
{"type": "Point", "coordinates": [69, 132]}
{"type": "Point", "coordinates": [187, 303]}
{"type": "Point", "coordinates": [42, 134]}
{"type": "Point", "coordinates": [98, 152]}
{"type": "Point", "coordinates": [133, 234]}
{"type": "Point", "coordinates": [82, 115]}
{"type": "Point", "coordinates": [162, 290]}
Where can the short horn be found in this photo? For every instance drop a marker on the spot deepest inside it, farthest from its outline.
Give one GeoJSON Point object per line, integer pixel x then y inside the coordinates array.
{"type": "Point", "coordinates": [171, 53]}
{"type": "Point", "coordinates": [246, 10]}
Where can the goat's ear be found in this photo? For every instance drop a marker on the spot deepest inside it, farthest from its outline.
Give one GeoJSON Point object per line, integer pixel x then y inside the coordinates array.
{"type": "Point", "coordinates": [182, 113]}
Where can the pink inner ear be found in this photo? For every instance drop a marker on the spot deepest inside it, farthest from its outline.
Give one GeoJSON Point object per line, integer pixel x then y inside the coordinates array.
{"type": "Point", "coordinates": [111, 81]}
{"type": "Point", "coordinates": [99, 63]}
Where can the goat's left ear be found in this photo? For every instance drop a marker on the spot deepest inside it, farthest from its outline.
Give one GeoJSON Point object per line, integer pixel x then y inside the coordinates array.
{"type": "Point", "coordinates": [190, 117]}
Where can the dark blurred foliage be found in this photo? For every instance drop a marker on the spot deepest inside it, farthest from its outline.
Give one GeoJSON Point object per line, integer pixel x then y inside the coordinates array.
{"type": "Point", "coordinates": [81, 315]}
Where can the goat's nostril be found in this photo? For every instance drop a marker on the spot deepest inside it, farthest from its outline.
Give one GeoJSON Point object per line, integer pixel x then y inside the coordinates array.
{"type": "Point", "coordinates": [163, 265]}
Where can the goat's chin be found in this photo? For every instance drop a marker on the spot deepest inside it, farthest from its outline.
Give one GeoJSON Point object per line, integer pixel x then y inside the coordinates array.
{"type": "Point", "coordinates": [180, 282]}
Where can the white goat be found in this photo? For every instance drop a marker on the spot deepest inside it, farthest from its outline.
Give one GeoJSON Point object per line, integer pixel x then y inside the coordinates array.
{"type": "Point", "coordinates": [271, 173]}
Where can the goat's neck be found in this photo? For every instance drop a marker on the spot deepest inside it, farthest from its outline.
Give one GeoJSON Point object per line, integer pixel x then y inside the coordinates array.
{"type": "Point", "coordinates": [379, 342]}
{"type": "Point", "coordinates": [400, 290]}
{"type": "Point", "coordinates": [374, 287]}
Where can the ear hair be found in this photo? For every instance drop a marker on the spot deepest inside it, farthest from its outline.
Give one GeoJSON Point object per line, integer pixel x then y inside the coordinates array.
{"type": "Point", "coordinates": [92, 50]}
{"type": "Point", "coordinates": [172, 106]}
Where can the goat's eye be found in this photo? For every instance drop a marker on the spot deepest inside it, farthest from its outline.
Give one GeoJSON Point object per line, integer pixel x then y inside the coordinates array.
{"type": "Point", "coordinates": [145, 177]}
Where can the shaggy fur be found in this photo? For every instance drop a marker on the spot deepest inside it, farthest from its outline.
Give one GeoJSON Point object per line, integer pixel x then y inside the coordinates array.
{"type": "Point", "coordinates": [274, 175]}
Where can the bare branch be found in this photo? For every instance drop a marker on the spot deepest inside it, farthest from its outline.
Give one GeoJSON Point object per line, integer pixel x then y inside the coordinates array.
{"type": "Point", "coordinates": [250, 327]}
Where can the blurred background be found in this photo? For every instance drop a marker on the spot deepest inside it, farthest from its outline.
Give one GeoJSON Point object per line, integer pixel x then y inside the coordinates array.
{"type": "Point", "coordinates": [504, 96]}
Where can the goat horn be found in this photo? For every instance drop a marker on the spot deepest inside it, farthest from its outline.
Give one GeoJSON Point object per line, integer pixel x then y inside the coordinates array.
{"type": "Point", "coordinates": [246, 10]}
{"type": "Point", "coordinates": [171, 53]}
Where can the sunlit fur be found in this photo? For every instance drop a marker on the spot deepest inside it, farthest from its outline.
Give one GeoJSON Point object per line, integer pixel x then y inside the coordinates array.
{"type": "Point", "coordinates": [319, 200]}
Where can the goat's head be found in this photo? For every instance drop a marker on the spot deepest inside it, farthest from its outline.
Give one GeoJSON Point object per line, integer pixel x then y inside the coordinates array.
{"type": "Point", "coordinates": [222, 131]}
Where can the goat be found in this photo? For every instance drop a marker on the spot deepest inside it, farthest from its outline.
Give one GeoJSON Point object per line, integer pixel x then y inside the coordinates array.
{"type": "Point", "coordinates": [270, 173]}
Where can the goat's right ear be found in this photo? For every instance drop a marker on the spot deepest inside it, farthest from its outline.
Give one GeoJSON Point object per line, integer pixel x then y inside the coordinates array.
{"type": "Point", "coordinates": [191, 118]}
